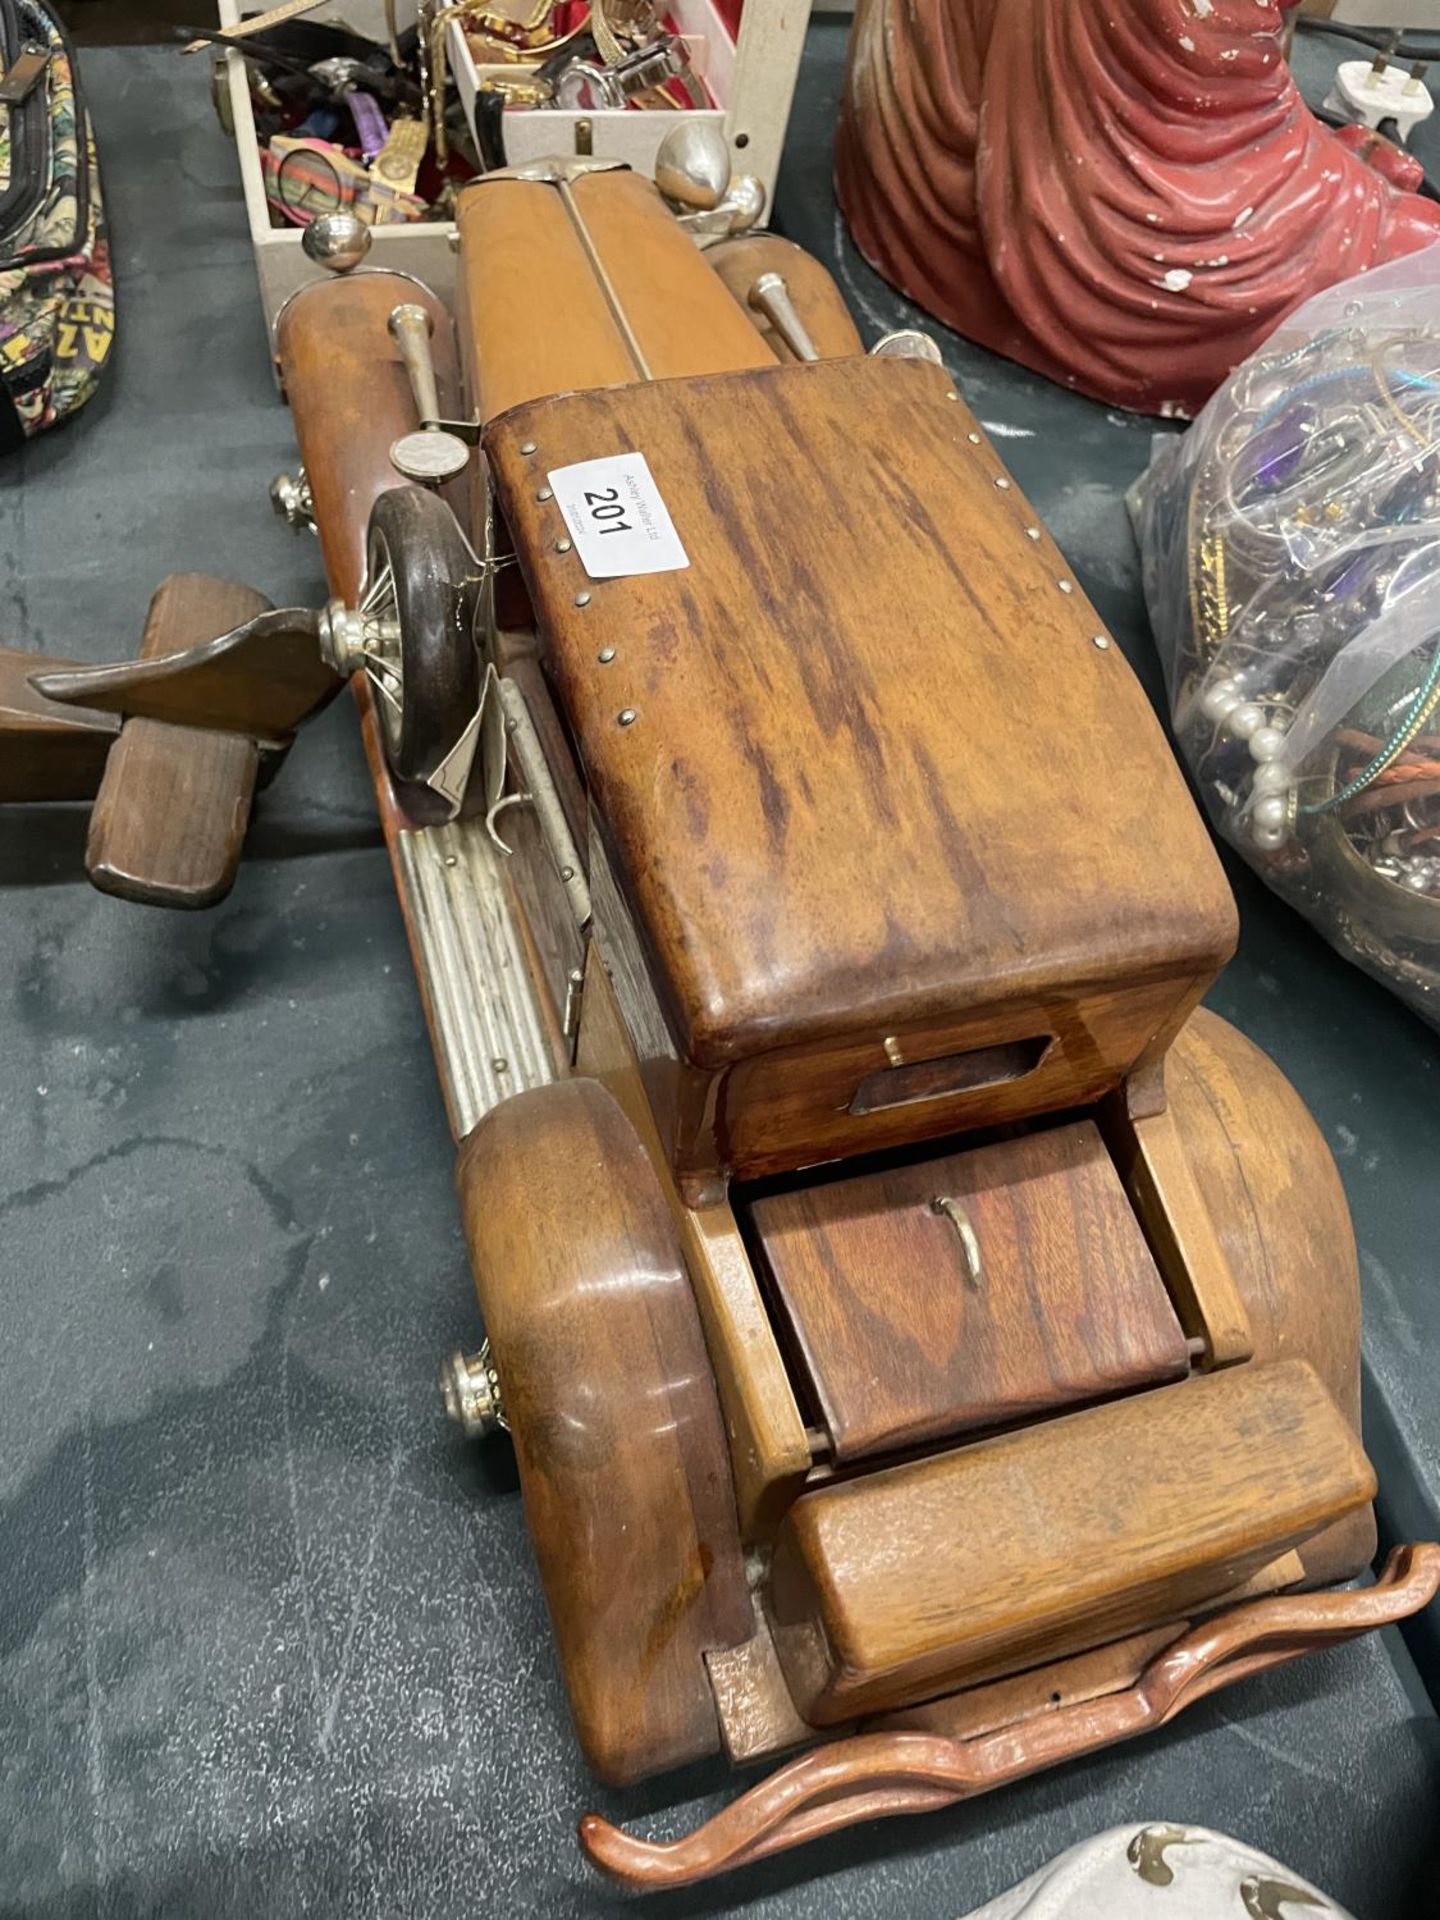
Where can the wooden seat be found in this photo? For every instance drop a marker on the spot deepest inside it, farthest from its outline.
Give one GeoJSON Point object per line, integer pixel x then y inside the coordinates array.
{"type": "Point", "coordinates": [902, 845]}
{"type": "Point", "coordinates": [900, 1585]}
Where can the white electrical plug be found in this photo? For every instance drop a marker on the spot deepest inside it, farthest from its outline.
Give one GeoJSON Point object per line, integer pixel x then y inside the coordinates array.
{"type": "Point", "coordinates": [1367, 96]}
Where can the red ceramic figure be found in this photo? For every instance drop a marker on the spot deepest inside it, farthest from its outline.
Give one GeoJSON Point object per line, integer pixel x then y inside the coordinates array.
{"type": "Point", "coordinates": [1126, 195]}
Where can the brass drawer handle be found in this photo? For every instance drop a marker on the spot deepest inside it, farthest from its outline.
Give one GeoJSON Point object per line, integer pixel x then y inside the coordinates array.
{"type": "Point", "coordinates": [969, 1245]}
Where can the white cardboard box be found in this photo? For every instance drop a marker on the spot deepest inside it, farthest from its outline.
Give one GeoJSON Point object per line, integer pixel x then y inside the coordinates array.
{"type": "Point", "coordinates": [421, 248]}
{"type": "Point", "coordinates": [753, 79]}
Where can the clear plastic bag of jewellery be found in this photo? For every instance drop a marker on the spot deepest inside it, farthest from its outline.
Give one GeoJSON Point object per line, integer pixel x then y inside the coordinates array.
{"type": "Point", "coordinates": [1291, 557]}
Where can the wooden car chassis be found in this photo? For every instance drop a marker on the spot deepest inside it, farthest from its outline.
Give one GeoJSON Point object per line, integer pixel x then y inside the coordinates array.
{"type": "Point", "coordinates": [704, 1492]}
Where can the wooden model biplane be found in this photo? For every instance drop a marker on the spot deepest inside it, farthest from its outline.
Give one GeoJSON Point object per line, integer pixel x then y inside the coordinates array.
{"type": "Point", "coordinates": [930, 1343]}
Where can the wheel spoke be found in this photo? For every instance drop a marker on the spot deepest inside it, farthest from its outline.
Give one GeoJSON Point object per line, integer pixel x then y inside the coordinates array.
{"type": "Point", "coordinates": [381, 590]}
{"type": "Point", "coordinates": [377, 680]}
{"type": "Point", "coordinates": [379, 609]}
{"type": "Point", "coordinates": [383, 665]}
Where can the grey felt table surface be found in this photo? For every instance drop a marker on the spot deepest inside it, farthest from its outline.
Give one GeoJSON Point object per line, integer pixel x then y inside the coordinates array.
{"type": "Point", "coordinates": [271, 1640]}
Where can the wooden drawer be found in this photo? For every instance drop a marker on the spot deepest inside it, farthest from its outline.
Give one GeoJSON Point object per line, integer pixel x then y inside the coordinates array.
{"type": "Point", "coordinates": [967, 1290]}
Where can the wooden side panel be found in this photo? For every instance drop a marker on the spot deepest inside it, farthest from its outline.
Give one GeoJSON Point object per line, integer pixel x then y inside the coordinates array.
{"type": "Point", "coordinates": [608, 1393]}
{"type": "Point", "coordinates": [556, 938]}
{"type": "Point", "coordinates": [1150, 1152]}
{"type": "Point", "coordinates": [894, 1587]}
{"type": "Point", "coordinates": [171, 812]}
{"type": "Point", "coordinates": [909, 1332]}
{"type": "Point", "coordinates": [769, 1450]}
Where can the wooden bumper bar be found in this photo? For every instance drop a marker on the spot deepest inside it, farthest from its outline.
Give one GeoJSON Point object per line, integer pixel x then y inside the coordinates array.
{"type": "Point", "coordinates": [876, 1775]}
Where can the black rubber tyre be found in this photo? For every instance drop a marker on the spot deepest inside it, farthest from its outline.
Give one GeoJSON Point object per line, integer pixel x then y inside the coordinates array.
{"type": "Point", "coordinates": [415, 539]}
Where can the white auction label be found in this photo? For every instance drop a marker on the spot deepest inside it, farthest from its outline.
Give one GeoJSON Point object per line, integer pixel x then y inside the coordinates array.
{"type": "Point", "coordinates": [617, 519]}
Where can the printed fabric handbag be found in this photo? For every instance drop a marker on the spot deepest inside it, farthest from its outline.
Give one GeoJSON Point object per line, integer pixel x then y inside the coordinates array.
{"type": "Point", "coordinates": [57, 298]}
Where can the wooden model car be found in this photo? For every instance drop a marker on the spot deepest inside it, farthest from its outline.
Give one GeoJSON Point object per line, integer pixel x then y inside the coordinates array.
{"type": "Point", "coordinates": [928, 1341]}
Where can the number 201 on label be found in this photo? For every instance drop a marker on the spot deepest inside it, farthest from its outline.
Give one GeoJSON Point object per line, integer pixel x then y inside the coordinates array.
{"type": "Point", "coordinates": [605, 508]}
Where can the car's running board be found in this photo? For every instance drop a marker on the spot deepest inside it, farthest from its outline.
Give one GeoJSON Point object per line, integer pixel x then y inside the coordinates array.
{"type": "Point", "coordinates": [490, 1022]}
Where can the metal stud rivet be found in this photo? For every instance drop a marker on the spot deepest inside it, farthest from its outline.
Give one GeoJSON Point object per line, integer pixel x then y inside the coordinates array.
{"type": "Point", "coordinates": [1065, 586]}
{"type": "Point", "coordinates": [605, 656]}
{"type": "Point", "coordinates": [952, 395]}
{"type": "Point", "coordinates": [1032, 533]}
{"type": "Point", "coordinates": [973, 438]}
{"type": "Point", "coordinates": [627, 716]}
{"type": "Point", "coordinates": [1003, 484]}
{"type": "Point", "coordinates": [545, 493]}
{"type": "Point", "coordinates": [562, 546]}
{"type": "Point", "coordinates": [451, 859]}
{"type": "Point", "coordinates": [500, 1064]}
{"type": "Point", "coordinates": [1101, 639]}
{"type": "Point", "coordinates": [527, 446]}
{"type": "Point", "coordinates": [582, 599]}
